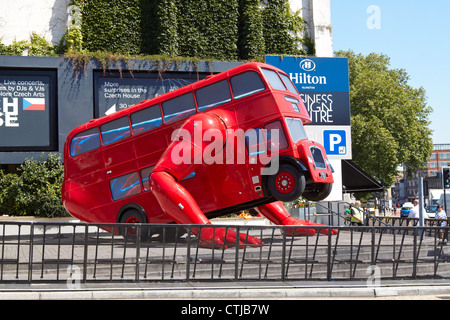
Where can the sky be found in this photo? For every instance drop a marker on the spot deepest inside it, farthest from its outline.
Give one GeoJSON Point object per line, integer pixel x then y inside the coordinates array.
{"type": "Point", "coordinates": [414, 34]}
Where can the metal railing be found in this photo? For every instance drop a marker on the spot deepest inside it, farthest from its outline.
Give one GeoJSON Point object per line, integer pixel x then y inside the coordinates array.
{"type": "Point", "coordinates": [80, 252]}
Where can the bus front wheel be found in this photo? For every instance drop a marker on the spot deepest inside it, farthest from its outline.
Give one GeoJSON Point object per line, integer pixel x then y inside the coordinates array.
{"type": "Point", "coordinates": [287, 184]}
{"type": "Point", "coordinates": [318, 191]}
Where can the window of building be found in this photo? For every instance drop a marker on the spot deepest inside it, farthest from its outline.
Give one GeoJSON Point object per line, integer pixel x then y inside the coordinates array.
{"type": "Point", "coordinates": [444, 164]}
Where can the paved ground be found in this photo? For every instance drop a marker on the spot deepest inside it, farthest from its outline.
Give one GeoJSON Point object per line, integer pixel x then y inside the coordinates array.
{"type": "Point", "coordinates": [387, 290]}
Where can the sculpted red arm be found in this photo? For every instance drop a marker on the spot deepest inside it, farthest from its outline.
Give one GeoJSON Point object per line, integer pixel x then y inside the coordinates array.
{"type": "Point", "coordinates": [175, 201]}
{"type": "Point", "coordinates": [277, 214]}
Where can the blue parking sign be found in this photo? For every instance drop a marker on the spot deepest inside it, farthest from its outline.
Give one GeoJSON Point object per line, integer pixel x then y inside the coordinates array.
{"type": "Point", "coordinates": [335, 142]}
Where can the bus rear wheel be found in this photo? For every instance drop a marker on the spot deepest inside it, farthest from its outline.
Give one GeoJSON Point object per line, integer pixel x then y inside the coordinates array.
{"type": "Point", "coordinates": [287, 184]}
{"type": "Point", "coordinates": [318, 191]}
{"type": "Point", "coordinates": [132, 216]}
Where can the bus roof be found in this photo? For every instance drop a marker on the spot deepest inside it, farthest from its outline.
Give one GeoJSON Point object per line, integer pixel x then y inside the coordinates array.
{"type": "Point", "coordinates": [172, 94]}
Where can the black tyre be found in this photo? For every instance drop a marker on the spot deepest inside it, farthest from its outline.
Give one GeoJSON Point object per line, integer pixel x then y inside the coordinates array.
{"type": "Point", "coordinates": [169, 233]}
{"type": "Point", "coordinates": [287, 184]}
{"type": "Point", "coordinates": [318, 191]}
{"type": "Point", "coordinates": [133, 216]}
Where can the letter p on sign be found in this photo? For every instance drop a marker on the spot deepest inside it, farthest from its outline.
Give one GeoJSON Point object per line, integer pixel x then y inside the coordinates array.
{"type": "Point", "coordinates": [335, 142]}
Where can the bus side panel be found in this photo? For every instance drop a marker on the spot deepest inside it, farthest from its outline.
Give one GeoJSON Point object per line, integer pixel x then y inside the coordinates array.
{"type": "Point", "coordinates": [232, 183]}
{"type": "Point", "coordinates": [84, 165]}
{"type": "Point", "coordinates": [252, 109]}
{"type": "Point", "coordinates": [152, 142]}
{"type": "Point", "coordinates": [117, 155]}
{"type": "Point", "coordinates": [201, 187]}
{"type": "Point", "coordinates": [81, 199]}
{"type": "Point", "coordinates": [151, 207]}
{"type": "Point", "coordinates": [218, 186]}
{"type": "Point", "coordinates": [84, 185]}
{"type": "Point", "coordinates": [287, 109]}
{"type": "Point", "coordinates": [145, 199]}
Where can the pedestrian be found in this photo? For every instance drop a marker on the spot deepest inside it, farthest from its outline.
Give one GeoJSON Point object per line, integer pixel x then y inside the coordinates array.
{"type": "Point", "coordinates": [355, 214]}
{"type": "Point", "coordinates": [414, 213]}
{"type": "Point", "coordinates": [441, 215]}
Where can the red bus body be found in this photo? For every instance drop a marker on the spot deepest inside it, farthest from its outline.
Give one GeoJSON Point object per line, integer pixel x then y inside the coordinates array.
{"type": "Point", "coordinates": [108, 160]}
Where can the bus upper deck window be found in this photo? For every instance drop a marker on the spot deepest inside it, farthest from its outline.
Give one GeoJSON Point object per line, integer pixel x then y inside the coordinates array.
{"type": "Point", "coordinates": [288, 83]}
{"type": "Point", "coordinates": [179, 108]}
{"type": "Point", "coordinates": [85, 141]}
{"type": "Point", "coordinates": [274, 79]}
{"type": "Point", "coordinates": [115, 130]}
{"type": "Point", "coordinates": [245, 84]}
{"type": "Point", "coordinates": [146, 119]}
{"type": "Point", "coordinates": [213, 95]}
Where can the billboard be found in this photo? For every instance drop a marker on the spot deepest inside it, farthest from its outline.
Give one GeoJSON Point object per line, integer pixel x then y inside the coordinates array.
{"type": "Point", "coordinates": [323, 84]}
{"type": "Point", "coordinates": [28, 110]}
{"type": "Point", "coordinates": [114, 91]}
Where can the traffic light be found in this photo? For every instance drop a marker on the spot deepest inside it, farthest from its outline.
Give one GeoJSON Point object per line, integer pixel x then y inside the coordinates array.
{"type": "Point", "coordinates": [446, 177]}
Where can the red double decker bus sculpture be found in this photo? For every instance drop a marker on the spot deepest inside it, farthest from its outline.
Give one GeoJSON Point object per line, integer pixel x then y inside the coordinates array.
{"type": "Point", "coordinates": [231, 142]}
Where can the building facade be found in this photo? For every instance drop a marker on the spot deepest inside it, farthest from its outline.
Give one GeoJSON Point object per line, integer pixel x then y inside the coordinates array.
{"type": "Point", "coordinates": [440, 158]}
{"type": "Point", "coordinates": [44, 98]}
{"type": "Point", "coordinates": [406, 189]}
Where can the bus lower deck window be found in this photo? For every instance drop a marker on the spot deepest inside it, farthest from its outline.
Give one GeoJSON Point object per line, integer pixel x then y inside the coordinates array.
{"type": "Point", "coordinates": [145, 175]}
{"type": "Point", "coordinates": [125, 186]}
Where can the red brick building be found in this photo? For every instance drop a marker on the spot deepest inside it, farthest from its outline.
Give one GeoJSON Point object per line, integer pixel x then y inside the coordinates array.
{"type": "Point", "coordinates": [407, 190]}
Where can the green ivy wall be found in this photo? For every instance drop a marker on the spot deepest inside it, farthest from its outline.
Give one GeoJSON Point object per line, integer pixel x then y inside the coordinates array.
{"type": "Point", "coordinates": [207, 29]}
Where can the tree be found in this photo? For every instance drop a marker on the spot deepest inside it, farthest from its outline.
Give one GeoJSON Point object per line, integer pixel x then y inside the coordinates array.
{"type": "Point", "coordinates": [35, 190]}
{"type": "Point", "coordinates": [389, 118]}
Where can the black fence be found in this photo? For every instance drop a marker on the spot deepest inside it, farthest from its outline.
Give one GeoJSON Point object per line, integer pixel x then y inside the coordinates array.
{"type": "Point", "coordinates": [80, 253]}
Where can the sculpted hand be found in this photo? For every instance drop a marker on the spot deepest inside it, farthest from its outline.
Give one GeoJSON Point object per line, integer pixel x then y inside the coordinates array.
{"type": "Point", "coordinates": [222, 236]}
{"type": "Point", "coordinates": [305, 231]}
